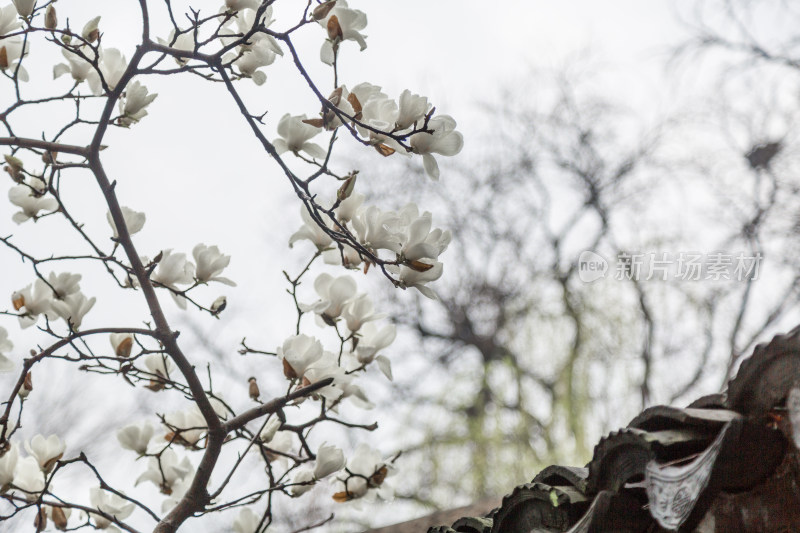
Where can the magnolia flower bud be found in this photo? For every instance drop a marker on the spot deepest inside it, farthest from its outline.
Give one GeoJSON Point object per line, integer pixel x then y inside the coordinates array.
{"type": "Point", "coordinates": [66, 38]}
{"type": "Point", "coordinates": [91, 31]}
{"type": "Point", "coordinates": [330, 459]}
{"type": "Point", "coordinates": [50, 18]}
{"type": "Point", "coordinates": [27, 386]}
{"type": "Point", "coordinates": [347, 187]}
{"type": "Point", "coordinates": [253, 389]}
{"type": "Point", "coordinates": [4, 64]}
{"type": "Point", "coordinates": [334, 29]}
{"type": "Point", "coordinates": [219, 305]}
{"type": "Point", "coordinates": [122, 344]}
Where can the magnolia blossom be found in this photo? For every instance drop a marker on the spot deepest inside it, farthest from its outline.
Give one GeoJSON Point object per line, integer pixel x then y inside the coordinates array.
{"type": "Point", "coordinates": [159, 364]}
{"type": "Point", "coordinates": [349, 207]}
{"type": "Point", "coordinates": [304, 477]}
{"type": "Point", "coordinates": [132, 106]}
{"type": "Point", "coordinates": [377, 229]}
{"type": "Point", "coordinates": [271, 427]}
{"type": "Point", "coordinates": [310, 230]}
{"type": "Point", "coordinates": [165, 470]}
{"type": "Point", "coordinates": [247, 522]}
{"type": "Point", "coordinates": [91, 30]}
{"type": "Point", "coordinates": [28, 477]}
{"type": "Point", "coordinates": [6, 364]}
{"type": "Point", "coordinates": [179, 488]}
{"type": "Point", "coordinates": [298, 354]}
{"type": "Point", "coordinates": [330, 459]}
{"type": "Point", "coordinates": [14, 49]}
{"type": "Point", "coordinates": [24, 7]}
{"type": "Point", "coordinates": [122, 343]}
{"type": "Point", "coordinates": [8, 463]}
{"type": "Point", "coordinates": [210, 264]}
{"type": "Point", "coordinates": [281, 444]}
{"type": "Point", "coordinates": [8, 20]}
{"type": "Point", "coordinates": [78, 67]}
{"type": "Point", "coordinates": [420, 241]}
{"type": "Point", "coordinates": [136, 437]}
{"type": "Point", "coordinates": [295, 135]}
{"type": "Point", "coordinates": [134, 221]}
{"type": "Point", "coordinates": [32, 302]}
{"type": "Point", "coordinates": [29, 202]}
{"type": "Point", "coordinates": [327, 367]}
{"type": "Point", "coordinates": [186, 427]}
{"type": "Point", "coordinates": [64, 284]}
{"type": "Point", "coordinates": [371, 471]}
{"type": "Point", "coordinates": [173, 270]}
{"type": "Point", "coordinates": [359, 311]}
{"type": "Point", "coordinates": [380, 114]}
{"type": "Point", "coordinates": [410, 277]}
{"type": "Point", "coordinates": [444, 140]}
{"type": "Point", "coordinates": [342, 24]}
{"type": "Point", "coordinates": [260, 50]}
{"type": "Point", "coordinates": [109, 504]}
{"type": "Point", "coordinates": [73, 308]}
{"type": "Point", "coordinates": [184, 42]}
{"type": "Point", "coordinates": [412, 109]}
{"type": "Point", "coordinates": [334, 294]}
{"type": "Point", "coordinates": [372, 340]}
{"type": "Point", "coordinates": [112, 67]}
{"type": "Point", "coordinates": [46, 451]}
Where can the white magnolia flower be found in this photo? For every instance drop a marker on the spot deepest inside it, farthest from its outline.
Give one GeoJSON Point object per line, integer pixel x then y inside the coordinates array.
{"type": "Point", "coordinates": [166, 470]}
{"type": "Point", "coordinates": [30, 203]}
{"type": "Point", "coordinates": [376, 229]}
{"type": "Point", "coordinates": [295, 135]}
{"type": "Point", "coordinates": [420, 241]}
{"type": "Point", "coordinates": [349, 207]}
{"type": "Point", "coordinates": [298, 354]}
{"type": "Point", "coordinates": [173, 270]}
{"type": "Point", "coordinates": [210, 264]}
{"type": "Point", "coordinates": [134, 221]}
{"type": "Point", "coordinates": [64, 284]}
{"type": "Point", "coordinates": [28, 477]}
{"type": "Point", "coordinates": [327, 367]}
{"type": "Point", "coordinates": [110, 504]}
{"type": "Point", "coordinates": [310, 230]}
{"type": "Point", "coordinates": [371, 471]}
{"type": "Point", "coordinates": [6, 364]}
{"type": "Point", "coordinates": [179, 489]}
{"type": "Point", "coordinates": [76, 66]}
{"type": "Point", "coordinates": [247, 522]}
{"type": "Point", "coordinates": [409, 277]}
{"type": "Point", "coordinates": [122, 343]}
{"type": "Point", "coordinates": [91, 30]}
{"type": "Point", "coordinates": [186, 427]}
{"type": "Point", "coordinates": [359, 311]}
{"type": "Point", "coordinates": [46, 451]}
{"type": "Point", "coordinates": [346, 26]}
{"type": "Point", "coordinates": [334, 294]}
{"type": "Point", "coordinates": [14, 49]}
{"type": "Point", "coordinates": [334, 257]}
{"type": "Point", "coordinates": [304, 477]}
{"type": "Point", "coordinates": [330, 459]}
{"type": "Point", "coordinates": [271, 427]}
{"type": "Point", "coordinates": [184, 42]}
{"type": "Point", "coordinates": [381, 114]}
{"type": "Point", "coordinates": [136, 437]}
{"type": "Point", "coordinates": [24, 7]}
{"type": "Point", "coordinates": [159, 364]}
{"type": "Point", "coordinates": [112, 66]}
{"type": "Point", "coordinates": [260, 50]}
{"type": "Point", "coordinates": [444, 140]}
{"type": "Point", "coordinates": [8, 20]}
{"type": "Point", "coordinates": [372, 340]}
{"type": "Point", "coordinates": [413, 109]}
{"type": "Point", "coordinates": [8, 463]}
{"type": "Point", "coordinates": [32, 302]}
{"type": "Point", "coordinates": [73, 308]}
{"type": "Point", "coordinates": [283, 442]}
{"type": "Point", "coordinates": [132, 106]}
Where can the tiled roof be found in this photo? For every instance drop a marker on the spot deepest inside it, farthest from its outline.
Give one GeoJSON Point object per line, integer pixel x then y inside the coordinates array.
{"type": "Point", "coordinates": [727, 463]}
